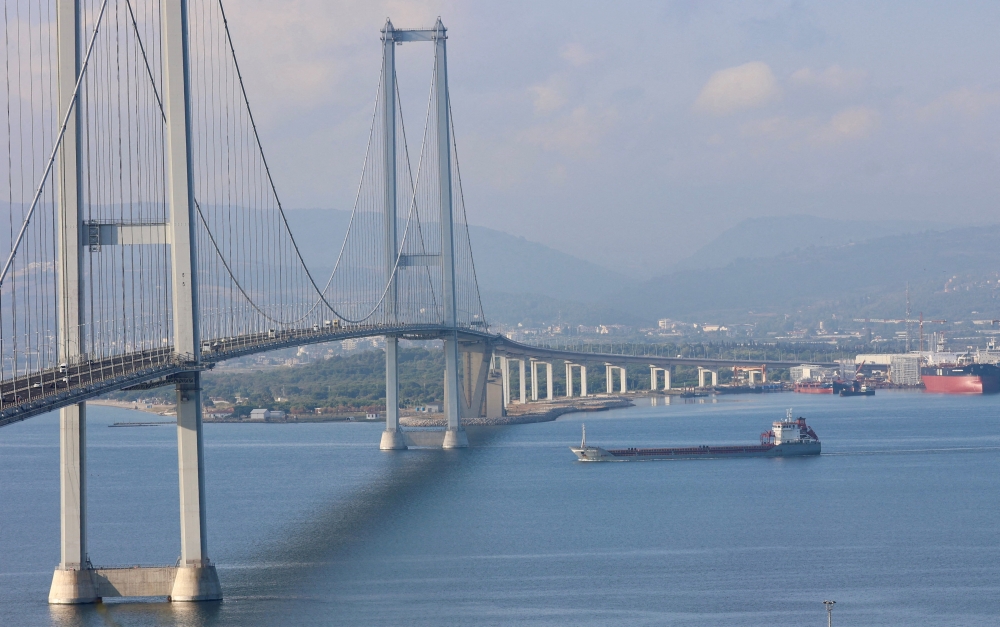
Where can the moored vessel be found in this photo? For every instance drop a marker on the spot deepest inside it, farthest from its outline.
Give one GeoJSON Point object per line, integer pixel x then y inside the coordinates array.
{"type": "Point", "coordinates": [813, 387]}
{"type": "Point", "coordinates": [787, 438]}
{"type": "Point", "coordinates": [970, 378]}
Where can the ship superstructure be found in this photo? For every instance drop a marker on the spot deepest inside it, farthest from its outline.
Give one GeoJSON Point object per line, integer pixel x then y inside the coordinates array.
{"type": "Point", "coordinates": [786, 438]}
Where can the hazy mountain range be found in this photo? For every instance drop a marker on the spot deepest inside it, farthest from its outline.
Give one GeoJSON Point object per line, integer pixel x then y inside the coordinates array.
{"type": "Point", "coordinates": [802, 266]}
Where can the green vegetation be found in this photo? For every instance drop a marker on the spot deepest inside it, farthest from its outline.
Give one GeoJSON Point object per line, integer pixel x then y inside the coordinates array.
{"type": "Point", "coordinates": [341, 383]}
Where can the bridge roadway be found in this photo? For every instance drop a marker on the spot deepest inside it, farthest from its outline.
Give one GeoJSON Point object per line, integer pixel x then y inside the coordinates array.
{"type": "Point", "coordinates": [51, 389]}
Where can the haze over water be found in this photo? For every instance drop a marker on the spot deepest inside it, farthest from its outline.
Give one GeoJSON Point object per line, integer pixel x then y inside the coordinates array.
{"type": "Point", "coordinates": [312, 525]}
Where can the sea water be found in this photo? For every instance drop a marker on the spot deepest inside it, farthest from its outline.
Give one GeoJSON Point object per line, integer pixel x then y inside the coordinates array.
{"type": "Point", "coordinates": [310, 524]}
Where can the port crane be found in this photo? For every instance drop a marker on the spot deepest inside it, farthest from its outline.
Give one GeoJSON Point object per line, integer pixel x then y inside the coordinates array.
{"type": "Point", "coordinates": [907, 321]}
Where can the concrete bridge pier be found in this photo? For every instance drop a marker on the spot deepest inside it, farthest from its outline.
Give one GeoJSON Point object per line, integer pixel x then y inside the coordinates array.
{"type": "Point", "coordinates": [534, 380]}
{"type": "Point", "coordinates": [701, 376]}
{"type": "Point", "coordinates": [654, 372]}
{"type": "Point", "coordinates": [393, 438]}
{"type": "Point", "coordinates": [505, 378]}
{"type": "Point", "coordinates": [454, 435]}
{"type": "Point", "coordinates": [569, 379]}
{"type": "Point", "coordinates": [609, 374]}
{"type": "Point", "coordinates": [475, 357]}
{"type": "Point", "coordinates": [72, 581]}
{"type": "Point", "coordinates": [195, 579]}
{"type": "Point", "coordinates": [522, 383]}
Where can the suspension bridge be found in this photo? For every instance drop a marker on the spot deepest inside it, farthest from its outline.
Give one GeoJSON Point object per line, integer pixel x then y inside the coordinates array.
{"type": "Point", "coordinates": [148, 242]}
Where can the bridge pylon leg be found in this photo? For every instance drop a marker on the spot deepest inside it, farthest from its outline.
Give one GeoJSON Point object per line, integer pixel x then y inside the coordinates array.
{"type": "Point", "coordinates": [548, 381]}
{"type": "Point", "coordinates": [392, 438]}
{"type": "Point", "coordinates": [72, 581]}
{"type": "Point", "coordinates": [454, 435]}
{"type": "Point", "coordinates": [196, 578]}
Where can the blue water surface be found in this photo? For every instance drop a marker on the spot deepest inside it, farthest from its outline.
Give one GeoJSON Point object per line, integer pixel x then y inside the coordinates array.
{"type": "Point", "coordinates": [310, 524]}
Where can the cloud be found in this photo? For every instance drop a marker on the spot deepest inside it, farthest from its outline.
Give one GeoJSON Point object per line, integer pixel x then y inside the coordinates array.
{"type": "Point", "coordinates": [742, 87]}
{"type": "Point", "coordinates": [778, 127]}
{"type": "Point", "coordinates": [849, 124]}
{"type": "Point", "coordinates": [576, 54]}
{"type": "Point", "coordinates": [833, 78]}
{"type": "Point", "coordinates": [970, 102]}
{"type": "Point", "coordinates": [547, 97]}
{"type": "Point", "coordinates": [852, 123]}
{"type": "Point", "coordinates": [576, 134]}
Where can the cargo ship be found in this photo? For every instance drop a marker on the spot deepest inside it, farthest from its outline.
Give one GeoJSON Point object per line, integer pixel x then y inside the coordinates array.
{"type": "Point", "coordinates": [813, 387]}
{"type": "Point", "coordinates": [961, 379]}
{"type": "Point", "coordinates": [787, 438]}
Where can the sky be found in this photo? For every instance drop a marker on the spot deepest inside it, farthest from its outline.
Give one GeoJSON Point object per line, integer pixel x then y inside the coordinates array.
{"type": "Point", "coordinates": [632, 133]}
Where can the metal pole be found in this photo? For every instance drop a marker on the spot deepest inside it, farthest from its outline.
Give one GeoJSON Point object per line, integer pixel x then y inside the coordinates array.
{"type": "Point", "coordinates": [196, 579]}
{"type": "Point", "coordinates": [71, 582]}
{"type": "Point", "coordinates": [829, 612]}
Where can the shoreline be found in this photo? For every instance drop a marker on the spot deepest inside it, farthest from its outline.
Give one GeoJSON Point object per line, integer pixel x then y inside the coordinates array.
{"type": "Point", "coordinates": [515, 416]}
{"type": "Point", "coordinates": [528, 417]}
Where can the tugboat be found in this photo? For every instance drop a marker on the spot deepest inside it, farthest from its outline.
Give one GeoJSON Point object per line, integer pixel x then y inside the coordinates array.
{"type": "Point", "coordinates": [790, 437]}
{"type": "Point", "coordinates": [856, 389]}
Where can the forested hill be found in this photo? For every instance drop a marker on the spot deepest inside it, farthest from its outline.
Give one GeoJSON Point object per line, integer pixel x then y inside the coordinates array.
{"type": "Point", "coordinates": [342, 382]}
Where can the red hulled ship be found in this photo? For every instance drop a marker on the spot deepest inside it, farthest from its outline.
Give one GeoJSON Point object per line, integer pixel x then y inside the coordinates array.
{"type": "Point", "coordinates": [961, 379]}
{"type": "Point", "coordinates": [814, 387]}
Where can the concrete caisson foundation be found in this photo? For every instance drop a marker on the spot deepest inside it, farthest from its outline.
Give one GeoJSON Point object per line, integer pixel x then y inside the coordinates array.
{"type": "Point", "coordinates": [72, 586]}
{"type": "Point", "coordinates": [455, 439]}
{"type": "Point", "coordinates": [196, 583]}
{"type": "Point", "coordinates": [393, 440]}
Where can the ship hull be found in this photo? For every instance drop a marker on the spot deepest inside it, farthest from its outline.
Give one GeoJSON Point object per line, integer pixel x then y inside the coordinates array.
{"type": "Point", "coordinates": [961, 385]}
{"type": "Point", "coordinates": [597, 454]}
{"type": "Point", "coordinates": [967, 379]}
{"type": "Point", "coordinates": [808, 389]}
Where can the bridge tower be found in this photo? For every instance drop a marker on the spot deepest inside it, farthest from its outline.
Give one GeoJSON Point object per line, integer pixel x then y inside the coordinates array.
{"type": "Point", "coordinates": [455, 436]}
{"type": "Point", "coordinates": [72, 581]}
{"type": "Point", "coordinates": [75, 579]}
{"type": "Point", "coordinates": [196, 578]}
